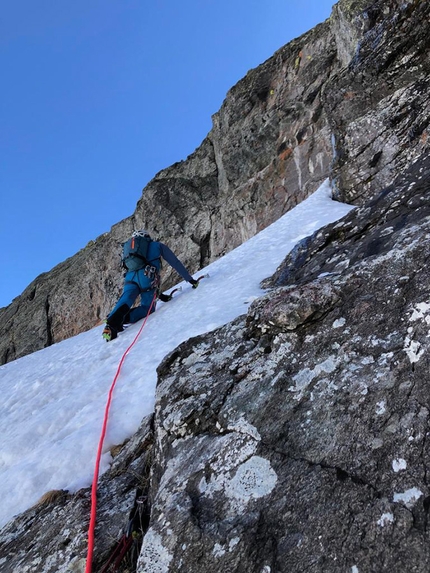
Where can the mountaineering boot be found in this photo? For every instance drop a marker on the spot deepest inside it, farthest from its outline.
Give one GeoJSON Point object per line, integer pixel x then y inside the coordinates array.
{"type": "Point", "coordinates": [114, 323]}
{"type": "Point", "coordinates": [109, 333]}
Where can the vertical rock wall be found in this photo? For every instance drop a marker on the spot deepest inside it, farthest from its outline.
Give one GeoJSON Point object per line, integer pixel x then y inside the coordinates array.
{"type": "Point", "coordinates": [269, 148]}
{"type": "Point", "coordinates": [349, 99]}
{"type": "Point", "coordinates": [379, 105]}
{"type": "Point", "coordinates": [295, 438]}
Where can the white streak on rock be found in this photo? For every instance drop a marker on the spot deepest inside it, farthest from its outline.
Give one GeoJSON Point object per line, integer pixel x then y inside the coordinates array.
{"type": "Point", "coordinates": [408, 497]}
{"type": "Point", "coordinates": [385, 519]}
{"type": "Point", "coordinates": [154, 557]}
{"type": "Point", "coordinates": [339, 323]}
{"type": "Point", "coordinates": [413, 349]}
{"type": "Point", "coordinates": [303, 378]}
{"type": "Point", "coordinates": [380, 408]}
{"type": "Point", "coordinates": [241, 426]}
{"type": "Point", "coordinates": [399, 464]}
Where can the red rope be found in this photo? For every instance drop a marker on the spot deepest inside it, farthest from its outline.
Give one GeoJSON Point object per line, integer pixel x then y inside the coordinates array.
{"type": "Point", "coordinates": [99, 451]}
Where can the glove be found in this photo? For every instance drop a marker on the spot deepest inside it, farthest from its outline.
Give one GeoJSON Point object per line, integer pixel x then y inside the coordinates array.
{"type": "Point", "coordinates": [194, 283]}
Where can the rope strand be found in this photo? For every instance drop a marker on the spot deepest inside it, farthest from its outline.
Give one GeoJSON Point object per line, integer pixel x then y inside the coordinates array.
{"type": "Point", "coordinates": [100, 447]}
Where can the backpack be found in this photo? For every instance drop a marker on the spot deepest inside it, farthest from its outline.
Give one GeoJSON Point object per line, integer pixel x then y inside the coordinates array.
{"type": "Point", "coordinates": [135, 252]}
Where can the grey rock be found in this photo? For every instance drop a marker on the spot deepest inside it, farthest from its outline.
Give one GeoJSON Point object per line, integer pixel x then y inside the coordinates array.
{"type": "Point", "coordinates": [269, 148]}
{"type": "Point", "coordinates": [378, 105]}
{"type": "Point", "coordinates": [349, 21]}
{"type": "Point", "coordinates": [296, 437]}
{"type": "Point", "coordinates": [287, 308]}
{"type": "Point", "coordinates": [52, 536]}
{"type": "Point", "coordinates": [300, 444]}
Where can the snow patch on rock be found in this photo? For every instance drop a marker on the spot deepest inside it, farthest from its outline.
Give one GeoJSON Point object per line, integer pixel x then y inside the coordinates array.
{"type": "Point", "coordinates": [421, 311]}
{"type": "Point", "coordinates": [413, 349]}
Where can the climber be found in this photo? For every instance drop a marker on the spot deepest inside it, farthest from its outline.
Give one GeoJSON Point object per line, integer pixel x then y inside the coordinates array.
{"type": "Point", "coordinates": [142, 262]}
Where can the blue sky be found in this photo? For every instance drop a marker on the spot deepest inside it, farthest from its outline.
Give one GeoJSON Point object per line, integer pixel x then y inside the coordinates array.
{"type": "Point", "coordinates": [98, 96]}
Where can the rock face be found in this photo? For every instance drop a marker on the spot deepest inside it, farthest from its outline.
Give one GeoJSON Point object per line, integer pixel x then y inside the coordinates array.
{"type": "Point", "coordinates": [296, 437]}
{"type": "Point", "coordinates": [52, 536]}
{"type": "Point", "coordinates": [62, 303]}
{"type": "Point", "coordinates": [379, 105]}
{"type": "Point", "coordinates": [292, 439]}
{"type": "Point", "coordinates": [269, 148]}
{"type": "Point", "coordinates": [318, 103]}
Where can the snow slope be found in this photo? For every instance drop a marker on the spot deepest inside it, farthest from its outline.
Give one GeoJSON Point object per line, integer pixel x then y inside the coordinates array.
{"type": "Point", "coordinates": [53, 401]}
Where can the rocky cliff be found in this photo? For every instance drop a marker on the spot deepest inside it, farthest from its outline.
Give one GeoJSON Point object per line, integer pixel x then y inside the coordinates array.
{"type": "Point", "coordinates": [337, 97]}
{"type": "Point", "coordinates": [295, 438]}
{"type": "Point", "coordinates": [268, 149]}
{"type": "Point", "coordinates": [379, 104]}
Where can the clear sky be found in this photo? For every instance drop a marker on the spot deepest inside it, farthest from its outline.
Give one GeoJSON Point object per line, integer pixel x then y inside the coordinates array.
{"type": "Point", "coordinates": [97, 96]}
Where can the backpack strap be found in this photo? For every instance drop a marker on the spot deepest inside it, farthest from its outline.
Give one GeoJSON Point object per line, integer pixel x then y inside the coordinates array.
{"type": "Point", "coordinates": [141, 257]}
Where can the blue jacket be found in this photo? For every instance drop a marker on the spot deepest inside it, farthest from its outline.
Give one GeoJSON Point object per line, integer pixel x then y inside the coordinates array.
{"type": "Point", "coordinates": [156, 252]}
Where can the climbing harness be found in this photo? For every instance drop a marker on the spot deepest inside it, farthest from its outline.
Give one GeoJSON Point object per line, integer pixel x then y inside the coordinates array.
{"type": "Point", "coordinates": [151, 272]}
{"type": "Point", "coordinates": [92, 525]}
